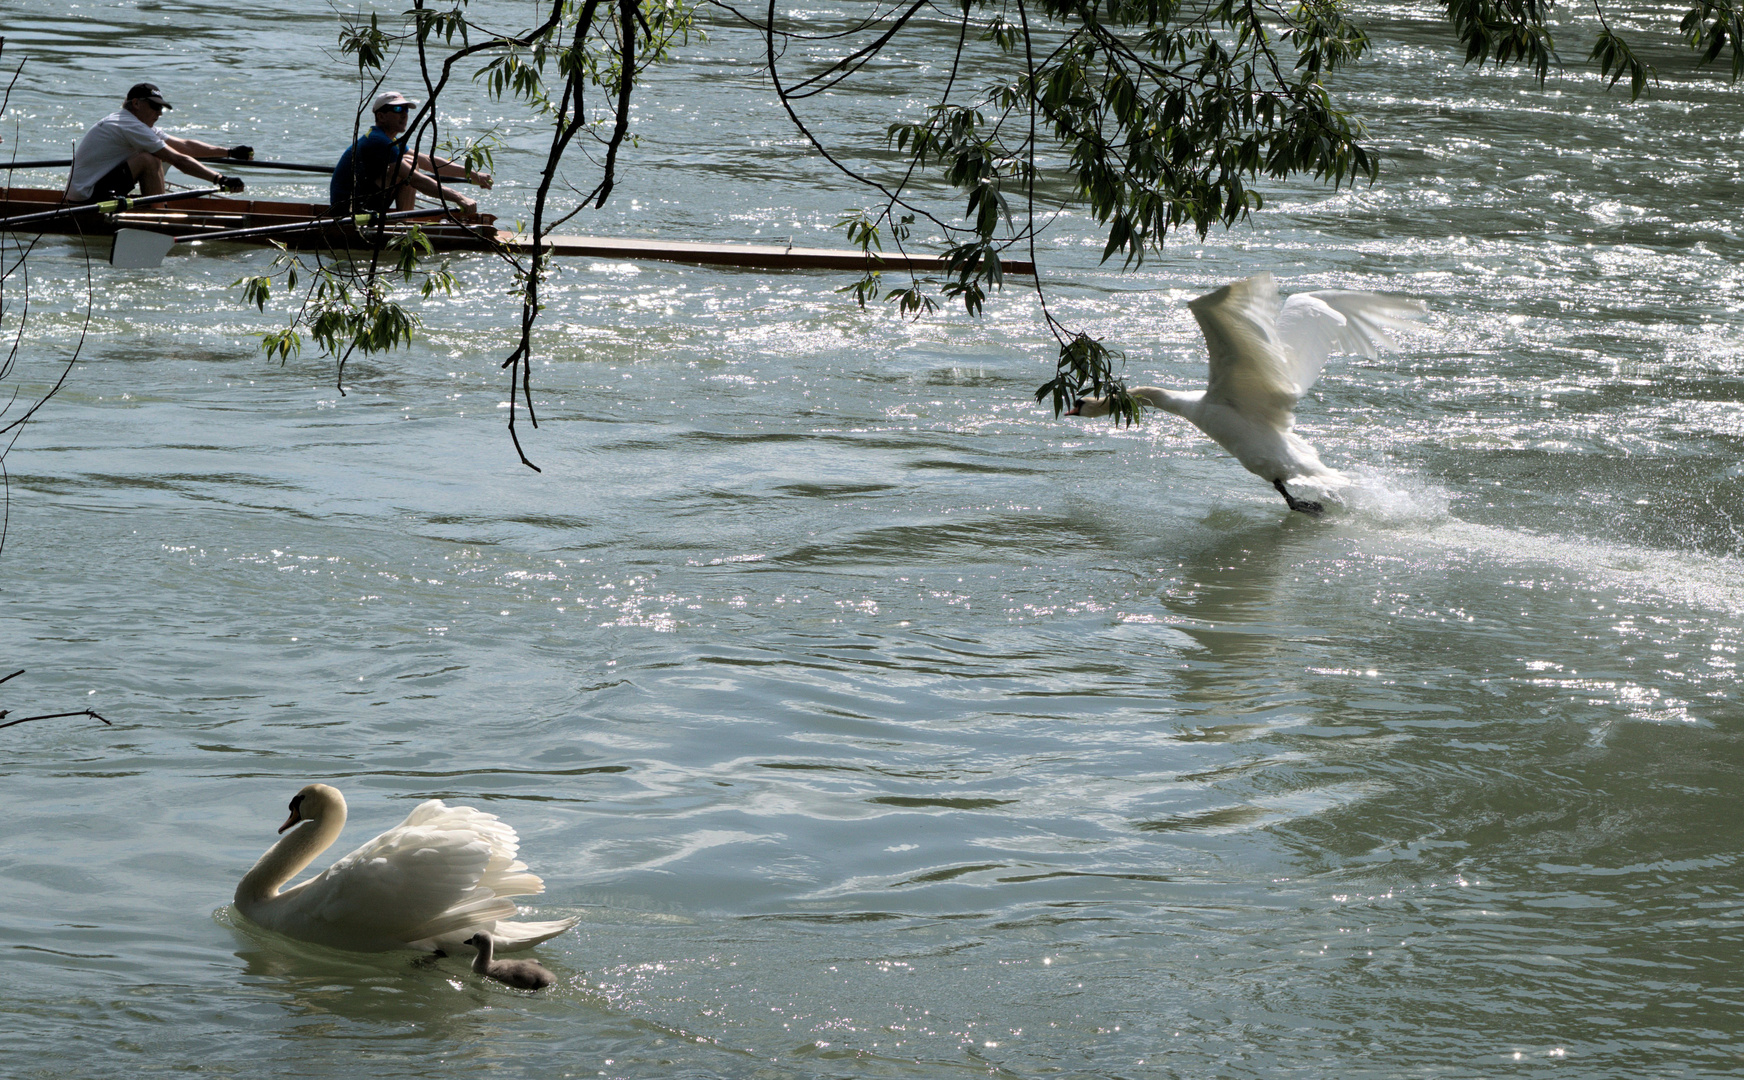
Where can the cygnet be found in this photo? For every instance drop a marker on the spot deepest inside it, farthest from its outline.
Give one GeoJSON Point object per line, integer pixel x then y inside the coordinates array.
{"type": "Point", "coordinates": [520, 974]}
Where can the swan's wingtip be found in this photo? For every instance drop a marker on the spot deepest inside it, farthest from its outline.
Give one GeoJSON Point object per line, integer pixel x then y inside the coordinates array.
{"type": "Point", "coordinates": [515, 936]}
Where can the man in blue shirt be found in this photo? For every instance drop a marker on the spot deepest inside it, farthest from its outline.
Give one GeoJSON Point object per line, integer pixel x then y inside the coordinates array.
{"type": "Point", "coordinates": [377, 173]}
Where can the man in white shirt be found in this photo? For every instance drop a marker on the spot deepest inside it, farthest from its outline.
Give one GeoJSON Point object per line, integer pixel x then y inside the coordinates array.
{"type": "Point", "coordinates": [124, 149]}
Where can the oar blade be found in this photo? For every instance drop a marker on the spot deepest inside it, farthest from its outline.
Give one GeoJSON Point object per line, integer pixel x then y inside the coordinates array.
{"type": "Point", "coordinates": [139, 249]}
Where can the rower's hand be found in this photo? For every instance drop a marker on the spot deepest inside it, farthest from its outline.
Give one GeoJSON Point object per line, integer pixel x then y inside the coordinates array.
{"type": "Point", "coordinates": [469, 206]}
{"type": "Point", "coordinates": [240, 153]}
{"type": "Point", "coordinates": [229, 183]}
{"type": "Point", "coordinates": [482, 179]}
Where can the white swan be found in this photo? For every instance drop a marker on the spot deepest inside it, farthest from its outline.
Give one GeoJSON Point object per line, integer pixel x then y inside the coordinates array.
{"type": "Point", "coordinates": [440, 876]}
{"type": "Point", "coordinates": [1263, 359]}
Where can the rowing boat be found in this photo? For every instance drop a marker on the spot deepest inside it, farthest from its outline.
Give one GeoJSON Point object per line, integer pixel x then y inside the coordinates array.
{"type": "Point", "coordinates": [208, 214]}
{"type": "Point", "coordinates": [187, 220]}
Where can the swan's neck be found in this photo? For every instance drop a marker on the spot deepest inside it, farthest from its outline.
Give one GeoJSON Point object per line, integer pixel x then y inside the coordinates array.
{"type": "Point", "coordinates": [295, 850]}
{"type": "Point", "coordinates": [1154, 396]}
{"type": "Point", "coordinates": [482, 962]}
{"type": "Point", "coordinates": [1180, 404]}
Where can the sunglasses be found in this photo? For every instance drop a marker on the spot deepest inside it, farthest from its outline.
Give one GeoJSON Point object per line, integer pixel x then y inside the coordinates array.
{"type": "Point", "coordinates": [395, 108]}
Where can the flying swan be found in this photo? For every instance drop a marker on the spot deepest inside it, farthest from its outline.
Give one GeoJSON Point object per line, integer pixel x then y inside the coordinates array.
{"type": "Point", "coordinates": [1263, 359]}
{"type": "Point", "coordinates": [430, 882]}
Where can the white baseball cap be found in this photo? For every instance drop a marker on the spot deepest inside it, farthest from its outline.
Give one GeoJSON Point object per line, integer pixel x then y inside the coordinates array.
{"type": "Point", "coordinates": [387, 98]}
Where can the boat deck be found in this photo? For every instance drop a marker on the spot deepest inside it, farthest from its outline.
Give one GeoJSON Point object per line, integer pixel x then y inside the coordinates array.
{"type": "Point", "coordinates": [751, 256]}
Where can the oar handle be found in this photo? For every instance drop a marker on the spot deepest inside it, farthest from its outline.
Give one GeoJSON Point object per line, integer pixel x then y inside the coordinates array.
{"type": "Point", "coordinates": [108, 206]}
{"type": "Point", "coordinates": [58, 163]}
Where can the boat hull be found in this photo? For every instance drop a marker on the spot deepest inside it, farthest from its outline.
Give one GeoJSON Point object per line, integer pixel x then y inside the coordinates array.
{"type": "Point", "coordinates": [210, 214]}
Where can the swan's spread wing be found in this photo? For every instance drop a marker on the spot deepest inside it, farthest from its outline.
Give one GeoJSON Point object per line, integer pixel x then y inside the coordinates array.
{"type": "Point", "coordinates": [1250, 371]}
{"type": "Point", "coordinates": [1314, 325]}
{"type": "Point", "coordinates": [442, 869]}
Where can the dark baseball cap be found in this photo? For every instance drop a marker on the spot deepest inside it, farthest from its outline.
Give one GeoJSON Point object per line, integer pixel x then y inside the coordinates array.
{"type": "Point", "coordinates": [150, 93]}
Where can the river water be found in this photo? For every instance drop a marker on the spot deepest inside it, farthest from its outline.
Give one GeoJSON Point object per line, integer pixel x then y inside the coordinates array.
{"type": "Point", "coordinates": [873, 721]}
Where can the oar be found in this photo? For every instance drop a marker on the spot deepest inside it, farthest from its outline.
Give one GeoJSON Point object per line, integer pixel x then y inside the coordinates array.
{"type": "Point", "coordinates": [245, 163]}
{"type": "Point", "coordinates": [327, 170]}
{"type": "Point", "coordinates": [141, 249]}
{"type": "Point", "coordinates": [108, 206]}
{"type": "Point", "coordinates": [62, 163]}
{"type": "Point", "coordinates": [287, 166]}
{"type": "Point", "coordinates": [291, 166]}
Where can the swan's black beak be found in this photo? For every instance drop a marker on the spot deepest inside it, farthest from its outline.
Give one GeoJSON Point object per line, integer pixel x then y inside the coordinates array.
{"type": "Point", "coordinates": [296, 812]}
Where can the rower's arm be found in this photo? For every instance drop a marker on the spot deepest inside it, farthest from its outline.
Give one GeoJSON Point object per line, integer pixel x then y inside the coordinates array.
{"type": "Point", "coordinates": [424, 182]}
{"type": "Point", "coordinates": [187, 163]}
{"type": "Point", "coordinates": [454, 170]}
{"type": "Point", "coordinates": [193, 148]}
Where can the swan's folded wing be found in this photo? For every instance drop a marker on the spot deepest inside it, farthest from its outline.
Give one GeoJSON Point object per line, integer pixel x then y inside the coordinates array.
{"type": "Point", "coordinates": [1314, 325]}
{"type": "Point", "coordinates": [504, 874]}
{"type": "Point", "coordinates": [401, 882]}
{"type": "Point", "coordinates": [434, 813]}
{"type": "Point", "coordinates": [1249, 369]}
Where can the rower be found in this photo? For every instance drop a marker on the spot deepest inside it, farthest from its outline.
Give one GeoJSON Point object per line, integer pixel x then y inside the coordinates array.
{"type": "Point", "coordinates": [125, 148]}
{"type": "Point", "coordinates": [377, 173]}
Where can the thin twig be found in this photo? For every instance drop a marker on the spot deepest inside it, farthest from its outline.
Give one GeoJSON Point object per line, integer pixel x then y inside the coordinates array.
{"type": "Point", "coordinates": [52, 716]}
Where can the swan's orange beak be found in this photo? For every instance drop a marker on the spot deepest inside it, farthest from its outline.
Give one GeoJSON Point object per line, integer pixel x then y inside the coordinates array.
{"type": "Point", "coordinates": [292, 820]}
{"type": "Point", "coordinates": [1077, 409]}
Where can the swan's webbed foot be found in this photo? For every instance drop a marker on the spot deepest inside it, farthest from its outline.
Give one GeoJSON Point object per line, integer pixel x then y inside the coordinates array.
{"type": "Point", "coordinates": [428, 959]}
{"type": "Point", "coordinates": [1312, 509]}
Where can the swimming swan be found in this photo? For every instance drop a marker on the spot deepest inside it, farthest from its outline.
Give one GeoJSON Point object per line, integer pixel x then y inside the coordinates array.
{"type": "Point", "coordinates": [430, 882]}
{"type": "Point", "coordinates": [1263, 359]}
